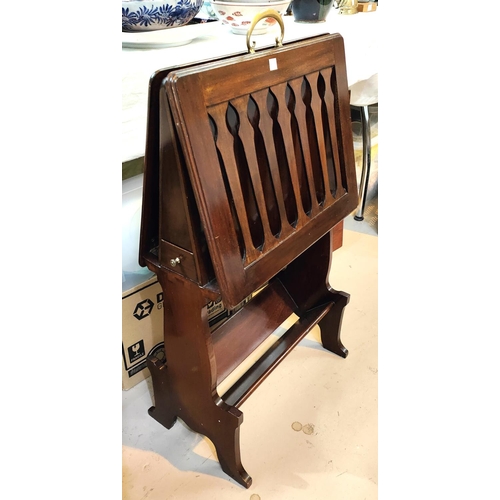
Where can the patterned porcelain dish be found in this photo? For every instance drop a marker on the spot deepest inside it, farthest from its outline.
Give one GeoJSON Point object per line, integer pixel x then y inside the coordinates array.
{"type": "Point", "coordinates": [150, 15]}
{"type": "Point", "coordinates": [174, 37]}
{"type": "Point", "coordinates": [239, 15]}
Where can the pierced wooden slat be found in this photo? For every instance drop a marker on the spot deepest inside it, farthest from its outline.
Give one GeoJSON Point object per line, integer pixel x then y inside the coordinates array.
{"type": "Point", "coordinates": [246, 133]}
{"type": "Point", "coordinates": [224, 144]}
{"type": "Point", "coordinates": [283, 166]}
{"type": "Point", "coordinates": [284, 121]}
{"type": "Point", "coordinates": [266, 126]}
{"type": "Point", "coordinates": [316, 103]}
{"type": "Point", "coordinates": [332, 109]}
{"type": "Point", "coordinates": [308, 92]}
{"type": "Point", "coordinates": [300, 114]}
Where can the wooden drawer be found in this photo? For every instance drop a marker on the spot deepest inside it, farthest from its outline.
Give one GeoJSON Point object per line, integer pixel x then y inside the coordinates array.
{"type": "Point", "coordinates": [186, 265]}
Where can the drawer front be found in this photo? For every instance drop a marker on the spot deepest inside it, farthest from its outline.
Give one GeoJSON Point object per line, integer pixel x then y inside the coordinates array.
{"type": "Point", "coordinates": [178, 260]}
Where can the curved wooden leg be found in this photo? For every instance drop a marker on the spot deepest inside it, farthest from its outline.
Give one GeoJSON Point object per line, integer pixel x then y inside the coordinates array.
{"type": "Point", "coordinates": [186, 385]}
{"type": "Point", "coordinates": [331, 325]}
{"type": "Point", "coordinates": [306, 280]}
{"type": "Point", "coordinates": [227, 443]}
{"type": "Point", "coordinates": [164, 409]}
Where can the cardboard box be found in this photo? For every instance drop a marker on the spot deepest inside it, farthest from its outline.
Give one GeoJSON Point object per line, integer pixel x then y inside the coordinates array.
{"type": "Point", "coordinates": [367, 7]}
{"type": "Point", "coordinates": [142, 328]}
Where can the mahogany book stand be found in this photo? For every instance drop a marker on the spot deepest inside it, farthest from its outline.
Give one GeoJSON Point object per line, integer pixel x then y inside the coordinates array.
{"type": "Point", "coordinates": [249, 165]}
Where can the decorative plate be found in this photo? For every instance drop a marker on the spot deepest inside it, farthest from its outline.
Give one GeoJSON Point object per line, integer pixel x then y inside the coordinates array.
{"type": "Point", "coordinates": [172, 37]}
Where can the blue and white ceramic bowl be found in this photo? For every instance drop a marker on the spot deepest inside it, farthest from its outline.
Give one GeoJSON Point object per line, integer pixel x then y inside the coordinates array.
{"type": "Point", "coordinates": [150, 15]}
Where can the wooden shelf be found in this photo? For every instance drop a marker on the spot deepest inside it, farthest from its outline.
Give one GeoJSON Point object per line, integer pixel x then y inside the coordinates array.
{"type": "Point", "coordinates": [242, 389]}
{"type": "Point", "coordinates": [242, 333]}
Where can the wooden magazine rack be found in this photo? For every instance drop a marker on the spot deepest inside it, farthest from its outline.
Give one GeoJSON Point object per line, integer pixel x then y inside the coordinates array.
{"type": "Point", "coordinates": [249, 166]}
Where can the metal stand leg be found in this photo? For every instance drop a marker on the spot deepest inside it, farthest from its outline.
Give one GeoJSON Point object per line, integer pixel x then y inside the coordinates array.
{"type": "Point", "coordinates": [365, 172]}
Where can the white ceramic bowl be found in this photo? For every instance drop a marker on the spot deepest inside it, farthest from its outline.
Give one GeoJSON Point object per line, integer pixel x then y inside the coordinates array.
{"type": "Point", "coordinates": [149, 15]}
{"type": "Point", "coordinates": [239, 15]}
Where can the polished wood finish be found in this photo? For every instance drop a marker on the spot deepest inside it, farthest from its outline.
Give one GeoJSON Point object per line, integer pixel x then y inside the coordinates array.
{"type": "Point", "coordinates": [249, 174]}
{"type": "Point", "coordinates": [256, 140]}
{"type": "Point", "coordinates": [337, 236]}
{"type": "Point", "coordinates": [258, 319]}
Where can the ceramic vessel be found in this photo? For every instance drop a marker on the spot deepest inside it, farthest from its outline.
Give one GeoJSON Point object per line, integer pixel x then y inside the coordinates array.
{"type": "Point", "coordinates": [311, 11]}
{"type": "Point", "coordinates": [239, 15]}
{"type": "Point", "coordinates": [149, 15]}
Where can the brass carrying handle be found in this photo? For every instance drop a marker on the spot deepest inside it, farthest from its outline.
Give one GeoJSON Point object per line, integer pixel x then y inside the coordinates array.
{"type": "Point", "coordinates": [262, 15]}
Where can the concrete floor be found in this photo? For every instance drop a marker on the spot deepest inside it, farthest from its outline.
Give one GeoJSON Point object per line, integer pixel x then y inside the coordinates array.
{"type": "Point", "coordinates": [309, 431]}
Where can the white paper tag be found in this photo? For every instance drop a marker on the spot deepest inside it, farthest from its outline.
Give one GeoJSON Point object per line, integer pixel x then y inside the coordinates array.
{"type": "Point", "coordinates": [273, 64]}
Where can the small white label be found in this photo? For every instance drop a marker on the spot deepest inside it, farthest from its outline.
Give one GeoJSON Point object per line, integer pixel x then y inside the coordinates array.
{"type": "Point", "coordinates": [273, 64]}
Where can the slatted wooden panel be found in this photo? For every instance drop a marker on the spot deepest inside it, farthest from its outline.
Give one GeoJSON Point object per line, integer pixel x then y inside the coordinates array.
{"type": "Point", "coordinates": [269, 154]}
{"type": "Point", "coordinates": [272, 144]}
